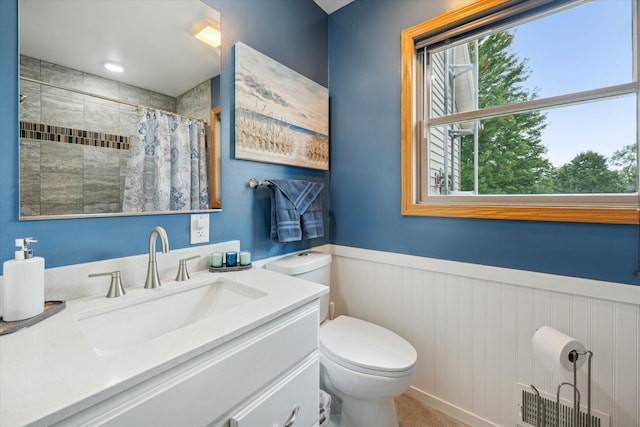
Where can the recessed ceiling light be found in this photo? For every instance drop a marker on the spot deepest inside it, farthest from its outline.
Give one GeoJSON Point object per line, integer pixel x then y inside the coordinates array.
{"type": "Point", "coordinates": [112, 66]}
{"type": "Point", "coordinates": [208, 32]}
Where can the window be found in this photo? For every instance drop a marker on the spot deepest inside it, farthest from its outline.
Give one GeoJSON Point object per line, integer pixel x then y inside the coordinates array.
{"type": "Point", "coordinates": [522, 110]}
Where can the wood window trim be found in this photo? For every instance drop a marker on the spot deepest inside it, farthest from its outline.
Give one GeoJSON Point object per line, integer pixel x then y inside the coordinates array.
{"type": "Point", "coordinates": [611, 215]}
{"type": "Point", "coordinates": [214, 197]}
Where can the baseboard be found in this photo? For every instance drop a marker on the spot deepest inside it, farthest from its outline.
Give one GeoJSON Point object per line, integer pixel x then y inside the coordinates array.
{"type": "Point", "coordinates": [449, 409]}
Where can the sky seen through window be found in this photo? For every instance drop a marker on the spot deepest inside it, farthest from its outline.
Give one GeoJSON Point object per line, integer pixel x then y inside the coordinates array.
{"type": "Point", "coordinates": [569, 52]}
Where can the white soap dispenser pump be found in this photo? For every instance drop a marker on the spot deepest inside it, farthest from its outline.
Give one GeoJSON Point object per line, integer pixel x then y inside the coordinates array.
{"type": "Point", "coordinates": [23, 293]}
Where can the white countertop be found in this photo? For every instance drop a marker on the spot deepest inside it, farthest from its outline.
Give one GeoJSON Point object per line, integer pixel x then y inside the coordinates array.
{"type": "Point", "coordinates": [50, 370]}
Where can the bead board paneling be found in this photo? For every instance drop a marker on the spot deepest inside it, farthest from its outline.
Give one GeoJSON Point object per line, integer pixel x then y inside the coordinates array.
{"type": "Point", "coordinates": [472, 326]}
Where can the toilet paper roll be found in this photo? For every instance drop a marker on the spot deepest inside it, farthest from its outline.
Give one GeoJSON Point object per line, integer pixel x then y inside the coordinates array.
{"type": "Point", "coordinates": [552, 349]}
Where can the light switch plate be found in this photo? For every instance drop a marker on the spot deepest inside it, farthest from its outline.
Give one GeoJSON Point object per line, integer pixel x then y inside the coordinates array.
{"type": "Point", "coordinates": [199, 228]}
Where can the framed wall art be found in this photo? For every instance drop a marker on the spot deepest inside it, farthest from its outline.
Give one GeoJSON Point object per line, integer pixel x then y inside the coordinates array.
{"type": "Point", "coordinates": [280, 115]}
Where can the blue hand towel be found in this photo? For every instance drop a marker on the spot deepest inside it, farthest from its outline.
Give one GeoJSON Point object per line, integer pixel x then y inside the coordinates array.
{"type": "Point", "coordinates": [296, 210]}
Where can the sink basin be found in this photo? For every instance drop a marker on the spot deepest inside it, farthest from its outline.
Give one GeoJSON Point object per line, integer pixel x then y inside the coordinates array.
{"type": "Point", "coordinates": [124, 326]}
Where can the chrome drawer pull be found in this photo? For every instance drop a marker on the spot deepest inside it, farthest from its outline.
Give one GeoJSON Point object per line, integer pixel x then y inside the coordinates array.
{"type": "Point", "coordinates": [292, 417]}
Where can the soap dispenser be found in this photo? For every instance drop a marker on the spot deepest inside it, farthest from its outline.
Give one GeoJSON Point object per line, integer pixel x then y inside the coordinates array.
{"type": "Point", "coordinates": [23, 293]}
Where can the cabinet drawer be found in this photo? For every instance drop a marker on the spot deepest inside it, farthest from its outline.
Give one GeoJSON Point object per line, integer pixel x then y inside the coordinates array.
{"type": "Point", "coordinates": [292, 402]}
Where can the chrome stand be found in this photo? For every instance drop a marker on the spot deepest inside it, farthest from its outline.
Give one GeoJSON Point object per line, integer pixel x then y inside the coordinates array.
{"type": "Point", "coordinates": [541, 409]}
{"type": "Point", "coordinates": [573, 357]}
{"type": "Point", "coordinates": [540, 418]}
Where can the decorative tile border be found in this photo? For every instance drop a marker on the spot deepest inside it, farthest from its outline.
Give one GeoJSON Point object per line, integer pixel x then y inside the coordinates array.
{"type": "Point", "coordinates": [39, 131]}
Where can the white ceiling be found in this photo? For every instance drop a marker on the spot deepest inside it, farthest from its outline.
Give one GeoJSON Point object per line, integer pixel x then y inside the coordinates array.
{"type": "Point", "coordinates": [154, 44]}
{"type": "Point", "coordinates": [331, 6]}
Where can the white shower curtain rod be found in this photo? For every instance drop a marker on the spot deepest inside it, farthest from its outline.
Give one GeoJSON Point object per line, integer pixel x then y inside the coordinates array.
{"type": "Point", "coordinates": [106, 98]}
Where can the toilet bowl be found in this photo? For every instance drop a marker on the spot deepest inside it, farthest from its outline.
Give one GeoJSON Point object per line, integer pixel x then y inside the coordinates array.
{"type": "Point", "coordinates": [365, 366]}
{"type": "Point", "coordinates": [362, 364]}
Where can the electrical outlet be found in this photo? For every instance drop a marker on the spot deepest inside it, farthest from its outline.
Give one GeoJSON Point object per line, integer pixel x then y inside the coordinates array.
{"type": "Point", "coordinates": [199, 228]}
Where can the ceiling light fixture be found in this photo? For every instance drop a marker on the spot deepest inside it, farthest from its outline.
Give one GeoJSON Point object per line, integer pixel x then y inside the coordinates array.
{"type": "Point", "coordinates": [112, 66]}
{"type": "Point", "coordinates": [207, 32]}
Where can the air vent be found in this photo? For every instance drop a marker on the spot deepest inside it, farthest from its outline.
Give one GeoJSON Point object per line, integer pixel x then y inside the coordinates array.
{"type": "Point", "coordinates": [528, 416]}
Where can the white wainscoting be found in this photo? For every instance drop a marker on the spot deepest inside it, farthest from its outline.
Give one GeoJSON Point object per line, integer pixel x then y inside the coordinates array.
{"type": "Point", "coordinates": [472, 327]}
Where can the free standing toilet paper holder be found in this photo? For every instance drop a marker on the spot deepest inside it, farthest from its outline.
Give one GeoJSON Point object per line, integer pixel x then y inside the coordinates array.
{"type": "Point", "coordinates": [539, 402]}
{"type": "Point", "coordinates": [573, 358]}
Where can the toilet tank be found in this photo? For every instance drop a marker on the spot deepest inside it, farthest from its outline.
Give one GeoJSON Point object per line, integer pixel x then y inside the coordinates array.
{"type": "Point", "coordinates": [312, 266]}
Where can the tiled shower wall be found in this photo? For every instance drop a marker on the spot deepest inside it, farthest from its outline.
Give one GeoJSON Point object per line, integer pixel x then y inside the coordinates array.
{"type": "Point", "coordinates": [196, 102]}
{"type": "Point", "coordinates": [56, 107]}
{"type": "Point", "coordinates": [66, 167]}
{"type": "Point", "coordinates": [472, 327]}
{"type": "Point", "coordinates": [69, 179]}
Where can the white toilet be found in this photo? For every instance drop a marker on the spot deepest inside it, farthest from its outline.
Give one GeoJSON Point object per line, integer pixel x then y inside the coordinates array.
{"type": "Point", "coordinates": [362, 364]}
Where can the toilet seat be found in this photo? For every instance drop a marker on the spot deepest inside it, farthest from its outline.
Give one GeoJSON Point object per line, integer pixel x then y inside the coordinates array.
{"type": "Point", "coordinates": [366, 347]}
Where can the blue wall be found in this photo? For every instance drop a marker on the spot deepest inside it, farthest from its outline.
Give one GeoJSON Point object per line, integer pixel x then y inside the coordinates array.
{"type": "Point", "coordinates": [365, 73]}
{"type": "Point", "coordinates": [292, 32]}
{"type": "Point", "coordinates": [363, 56]}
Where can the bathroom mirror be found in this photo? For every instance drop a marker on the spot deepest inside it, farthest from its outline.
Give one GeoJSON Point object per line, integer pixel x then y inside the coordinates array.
{"type": "Point", "coordinates": [77, 117]}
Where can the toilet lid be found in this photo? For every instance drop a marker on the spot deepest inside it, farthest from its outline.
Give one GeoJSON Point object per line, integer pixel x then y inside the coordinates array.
{"type": "Point", "coordinates": [365, 345]}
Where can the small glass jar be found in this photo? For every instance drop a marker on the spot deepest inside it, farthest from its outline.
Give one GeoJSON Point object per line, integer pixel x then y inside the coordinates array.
{"type": "Point", "coordinates": [231, 258]}
{"type": "Point", "coordinates": [216, 259]}
{"type": "Point", "coordinates": [245, 258]}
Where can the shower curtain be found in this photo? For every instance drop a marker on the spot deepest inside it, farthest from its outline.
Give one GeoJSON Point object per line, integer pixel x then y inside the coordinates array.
{"type": "Point", "coordinates": [167, 163]}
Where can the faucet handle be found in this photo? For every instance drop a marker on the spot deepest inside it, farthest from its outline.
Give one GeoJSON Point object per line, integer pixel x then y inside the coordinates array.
{"type": "Point", "coordinates": [115, 289]}
{"type": "Point", "coordinates": [183, 273]}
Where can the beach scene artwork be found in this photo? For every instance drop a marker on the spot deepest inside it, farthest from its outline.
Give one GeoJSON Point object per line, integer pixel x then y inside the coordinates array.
{"type": "Point", "coordinates": [280, 115]}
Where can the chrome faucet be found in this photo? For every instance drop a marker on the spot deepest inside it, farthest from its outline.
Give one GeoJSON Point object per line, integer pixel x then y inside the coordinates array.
{"type": "Point", "coordinates": [153, 280]}
{"type": "Point", "coordinates": [116, 289]}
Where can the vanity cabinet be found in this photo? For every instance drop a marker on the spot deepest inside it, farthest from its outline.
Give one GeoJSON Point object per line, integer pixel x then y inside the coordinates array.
{"type": "Point", "coordinates": [264, 377]}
